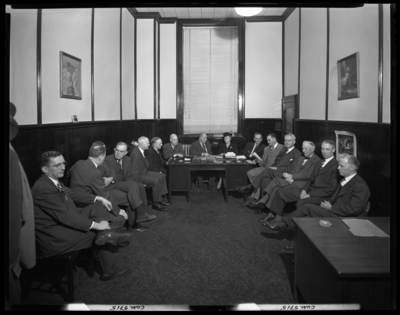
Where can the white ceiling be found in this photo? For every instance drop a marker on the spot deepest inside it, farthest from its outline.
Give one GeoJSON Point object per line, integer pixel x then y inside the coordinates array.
{"type": "Point", "coordinates": [206, 13]}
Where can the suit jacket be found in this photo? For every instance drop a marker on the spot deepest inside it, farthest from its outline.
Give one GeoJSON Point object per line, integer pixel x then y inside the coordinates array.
{"type": "Point", "coordinates": [351, 199]}
{"type": "Point", "coordinates": [168, 151]}
{"type": "Point", "coordinates": [197, 149]}
{"type": "Point", "coordinates": [303, 173]}
{"type": "Point", "coordinates": [58, 223]}
{"type": "Point", "coordinates": [110, 166]}
{"type": "Point", "coordinates": [270, 155]}
{"type": "Point", "coordinates": [88, 179]}
{"type": "Point", "coordinates": [140, 165]}
{"type": "Point", "coordinates": [249, 147]}
{"type": "Point", "coordinates": [223, 149]}
{"type": "Point", "coordinates": [326, 181]}
{"type": "Point", "coordinates": [156, 163]}
{"type": "Point", "coordinates": [286, 162]}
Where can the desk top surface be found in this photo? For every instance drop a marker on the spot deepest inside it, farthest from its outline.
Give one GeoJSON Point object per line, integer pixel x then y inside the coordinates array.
{"type": "Point", "coordinates": [350, 255]}
{"type": "Point", "coordinates": [210, 160]}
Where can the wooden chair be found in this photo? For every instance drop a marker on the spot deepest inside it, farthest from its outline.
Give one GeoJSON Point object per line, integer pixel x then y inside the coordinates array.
{"type": "Point", "coordinates": [56, 271]}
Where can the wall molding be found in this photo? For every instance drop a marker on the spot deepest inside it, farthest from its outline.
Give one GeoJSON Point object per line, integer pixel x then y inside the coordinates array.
{"type": "Point", "coordinates": [287, 13]}
{"type": "Point", "coordinates": [327, 62]}
{"type": "Point", "coordinates": [39, 65]}
{"type": "Point", "coordinates": [380, 63]}
{"type": "Point", "coordinates": [120, 63]}
{"type": "Point", "coordinates": [264, 19]}
{"type": "Point", "coordinates": [92, 65]}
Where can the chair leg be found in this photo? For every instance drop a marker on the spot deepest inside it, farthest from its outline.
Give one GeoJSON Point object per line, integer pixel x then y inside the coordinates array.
{"type": "Point", "coordinates": [70, 281]}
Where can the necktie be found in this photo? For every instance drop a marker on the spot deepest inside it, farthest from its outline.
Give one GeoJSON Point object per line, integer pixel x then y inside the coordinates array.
{"type": "Point", "coordinates": [61, 190]}
{"type": "Point", "coordinates": [204, 147]}
{"type": "Point", "coordinates": [120, 163]}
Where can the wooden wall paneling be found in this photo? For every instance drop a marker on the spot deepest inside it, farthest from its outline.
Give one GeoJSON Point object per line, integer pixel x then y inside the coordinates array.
{"type": "Point", "coordinates": [373, 152]}
{"type": "Point", "coordinates": [263, 126]}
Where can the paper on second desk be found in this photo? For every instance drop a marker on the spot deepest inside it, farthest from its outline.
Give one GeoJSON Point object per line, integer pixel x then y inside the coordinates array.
{"type": "Point", "coordinates": [363, 228]}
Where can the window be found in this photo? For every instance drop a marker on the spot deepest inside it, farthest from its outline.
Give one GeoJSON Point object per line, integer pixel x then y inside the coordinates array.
{"type": "Point", "coordinates": [210, 79]}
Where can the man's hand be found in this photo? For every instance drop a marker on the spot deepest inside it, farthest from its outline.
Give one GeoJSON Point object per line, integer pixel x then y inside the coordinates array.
{"type": "Point", "coordinates": [288, 177]}
{"type": "Point", "coordinates": [204, 154]}
{"type": "Point", "coordinates": [273, 168]}
{"type": "Point", "coordinates": [102, 225]}
{"type": "Point", "coordinates": [304, 195]}
{"type": "Point", "coordinates": [108, 180]}
{"type": "Point", "coordinates": [251, 162]}
{"type": "Point", "coordinates": [326, 205]}
{"type": "Point", "coordinates": [123, 213]}
{"type": "Point", "coordinates": [105, 203]}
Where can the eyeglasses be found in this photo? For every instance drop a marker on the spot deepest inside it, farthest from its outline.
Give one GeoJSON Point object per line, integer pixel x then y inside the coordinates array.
{"type": "Point", "coordinates": [118, 151]}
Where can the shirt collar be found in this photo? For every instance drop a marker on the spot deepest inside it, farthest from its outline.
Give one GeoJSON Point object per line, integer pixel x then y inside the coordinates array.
{"type": "Point", "coordinates": [141, 150]}
{"type": "Point", "coordinates": [347, 179]}
{"type": "Point", "coordinates": [289, 149]}
{"type": "Point", "coordinates": [328, 160]}
{"type": "Point", "coordinates": [53, 180]}
{"type": "Point", "coordinates": [94, 163]}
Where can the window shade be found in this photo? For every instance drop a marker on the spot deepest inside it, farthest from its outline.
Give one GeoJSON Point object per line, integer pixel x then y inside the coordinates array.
{"type": "Point", "coordinates": [210, 79]}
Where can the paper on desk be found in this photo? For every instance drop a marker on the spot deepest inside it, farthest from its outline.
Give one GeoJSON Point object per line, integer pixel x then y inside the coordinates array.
{"type": "Point", "coordinates": [240, 157]}
{"type": "Point", "coordinates": [364, 228]}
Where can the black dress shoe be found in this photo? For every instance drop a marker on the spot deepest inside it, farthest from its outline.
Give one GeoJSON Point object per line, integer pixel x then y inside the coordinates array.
{"type": "Point", "coordinates": [254, 203]}
{"type": "Point", "coordinates": [159, 207]}
{"type": "Point", "coordinates": [111, 237]}
{"type": "Point", "coordinates": [248, 202]}
{"type": "Point", "coordinates": [146, 217]}
{"type": "Point", "coordinates": [269, 217]}
{"type": "Point", "coordinates": [123, 244]}
{"type": "Point", "coordinates": [106, 276]}
{"type": "Point", "coordinates": [140, 228]}
{"type": "Point", "coordinates": [245, 189]}
{"type": "Point", "coordinates": [166, 203]}
{"type": "Point", "coordinates": [276, 226]}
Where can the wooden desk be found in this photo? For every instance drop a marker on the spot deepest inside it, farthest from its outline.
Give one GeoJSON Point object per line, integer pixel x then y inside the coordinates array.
{"type": "Point", "coordinates": [334, 266]}
{"type": "Point", "coordinates": [180, 174]}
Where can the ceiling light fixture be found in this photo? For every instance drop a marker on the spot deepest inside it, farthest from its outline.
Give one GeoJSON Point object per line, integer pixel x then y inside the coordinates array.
{"type": "Point", "coordinates": [248, 11]}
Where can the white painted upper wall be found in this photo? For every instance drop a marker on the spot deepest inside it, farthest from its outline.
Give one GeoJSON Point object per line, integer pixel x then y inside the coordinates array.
{"type": "Point", "coordinates": [168, 71]}
{"type": "Point", "coordinates": [312, 96]}
{"type": "Point", "coordinates": [355, 30]}
{"type": "Point", "coordinates": [107, 64]}
{"type": "Point", "coordinates": [23, 74]}
{"type": "Point", "coordinates": [292, 53]}
{"type": "Point", "coordinates": [66, 30]}
{"type": "Point", "coordinates": [263, 70]}
{"type": "Point", "coordinates": [386, 64]}
{"type": "Point", "coordinates": [128, 65]}
{"type": "Point", "coordinates": [145, 68]}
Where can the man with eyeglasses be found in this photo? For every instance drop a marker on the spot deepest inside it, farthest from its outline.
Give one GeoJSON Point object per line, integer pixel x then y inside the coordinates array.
{"type": "Point", "coordinates": [88, 176]}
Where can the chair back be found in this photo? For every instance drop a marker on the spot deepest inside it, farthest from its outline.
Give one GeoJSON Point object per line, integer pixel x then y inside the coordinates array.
{"type": "Point", "coordinates": [67, 177]}
{"type": "Point", "coordinates": [366, 210]}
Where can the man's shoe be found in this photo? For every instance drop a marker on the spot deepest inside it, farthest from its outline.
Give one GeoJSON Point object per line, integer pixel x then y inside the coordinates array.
{"type": "Point", "coordinates": [159, 207]}
{"type": "Point", "coordinates": [245, 189]}
{"type": "Point", "coordinates": [269, 217]}
{"type": "Point", "coordinates": [248, 202]}
{"type": "Point", "coordinates": [111, 237]}
{"type": "Point", "coordinates": [123, 244]}
{"type": "Point", "coordinates": [166, 203]}
{"type": "Point", "coordinates": [116, 273]}
{"type": "Point", "coordinates": [146, 217]}
{"type": "Point", "coordinates": [140, 228]}
{"type": "Point", "coordinates": [276, 226]}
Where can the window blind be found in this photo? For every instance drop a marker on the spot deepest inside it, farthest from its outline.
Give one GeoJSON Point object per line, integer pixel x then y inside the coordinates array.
{"type": "Point", "coordinates": [210, 79]}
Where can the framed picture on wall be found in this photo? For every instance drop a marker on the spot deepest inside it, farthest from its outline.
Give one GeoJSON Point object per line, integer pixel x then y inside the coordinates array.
{"type": "Point", "coordinates": [346, 142]}
{"type": "Point", "coordinates": [74, 118]}
{"type": "Point", "coordinates": [70, 76]}
{"type": "Point", "coordinates": [349, 77]}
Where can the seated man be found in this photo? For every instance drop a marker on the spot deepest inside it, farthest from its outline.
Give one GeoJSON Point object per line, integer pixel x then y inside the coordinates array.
{"type": "Point", "coordinates": [117, 169]}
{"type": "Point", "coordinates": [284, 162]}
{"type": "Point", "coordinates": [172, 149]}
{"type": "Point", "coordinates": [202, 147]}
{"type": "Point", "coordinates": [315, 190]}
{"type": "Point", "coordinates": [254, 147]}
{"type": "Point", "coordinates": [306, 169]}
{"type": "Point", "coordinates": [62, 228]}
{"type": "Point", "coordinates": [153, 155]}
{"type": "Point", "coordinates": [349, 199]}
{"type": "Point", "coordinates": [142, 174]}
{"type": "Point", "coordinates": [87, 176]}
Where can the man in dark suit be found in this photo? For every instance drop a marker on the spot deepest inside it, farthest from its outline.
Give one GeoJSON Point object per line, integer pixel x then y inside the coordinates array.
{"type": "Point", "coordinates": [315, 190]}
{"type": "Point", "coordinates": [142, 174]}
{"type": "Point", "coordinates": [202, 147]}
{"type": "Point", "coordinates": [153, 155]}
{"type": "Point", "coordinates": [62, 228]}
{"type": "Point", "coordinates": [117, 167]}
{"type": "Point", "coordinates": [284, 162]}
{"type": "Point", "coordinates": [348, 200]}
{"type": "Point", "coordinates": [254, 147]}
{"type": "Point", "coordinates": [87, 176]}
{"type": "Point", "coordinates": [172, 149]}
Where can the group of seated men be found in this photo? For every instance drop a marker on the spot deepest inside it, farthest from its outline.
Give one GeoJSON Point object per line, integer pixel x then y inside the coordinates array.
{"type": "Point", "coordinates": [67, 218]}
{"type": "Point", "coordinates": [283, 175]}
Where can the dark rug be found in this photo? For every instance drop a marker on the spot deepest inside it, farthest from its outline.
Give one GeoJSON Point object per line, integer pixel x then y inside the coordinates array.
{"type": "Point", "coordinates": [206, 252]}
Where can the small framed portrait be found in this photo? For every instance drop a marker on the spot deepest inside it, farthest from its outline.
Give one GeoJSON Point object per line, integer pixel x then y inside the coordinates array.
{"type": "Point", "coordinates": [74, 118]}
{"type": "Point", "coordinates": [349, 77]}
{"type": "Point", "coordinates": [70, 76]}
{"type": "Point", "coordinates": [346, 143]}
